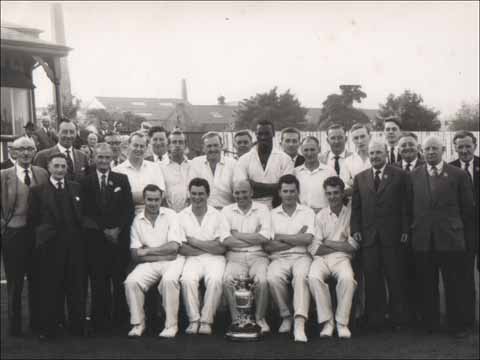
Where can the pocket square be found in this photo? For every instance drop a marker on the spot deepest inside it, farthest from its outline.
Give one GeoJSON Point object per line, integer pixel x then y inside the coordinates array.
{"type": "Point", "coordinates": [118, 188]}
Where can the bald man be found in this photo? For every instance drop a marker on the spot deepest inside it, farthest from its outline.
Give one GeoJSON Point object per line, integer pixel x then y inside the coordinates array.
{"type": "Point", "coordinates": [443, 219]}
{"type": "Point", "coordinates": [250, 226]}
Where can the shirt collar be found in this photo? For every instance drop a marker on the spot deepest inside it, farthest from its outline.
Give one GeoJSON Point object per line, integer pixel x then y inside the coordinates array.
{"type": "Point", "coordinates": [160, 213]}
{"type": "Point", "coordinates": [382, 170]}
{"type": "Point", "coordinates": [253, 208]}
{"type": "Point", "coordinates": [412, 163]}
{"type": "Point", "coordinates": [344, 208]}
{"type": "Point", "coordinates": [470, 163]}
{"type": "Point", "coordinates": [54, 182]}
{"type": "Point", "coordinates": [439, 167]}
{"type": "Point", "coordinates": [128, 164]}
{"type": "Point", "coordinates": [321, 166]}
{"type": "Point", "coordinates": [331, 155]}
{"type": "Point", "coordinates": [64, 149]}
{"type": "Point", "coordinates": [99, 174]}
{"type": "Point", "coordinates": [279, 209]}
{"type": "Point", "coordinates": [221, 161]}
{"type": "Point", "coordinates": [169, 160]}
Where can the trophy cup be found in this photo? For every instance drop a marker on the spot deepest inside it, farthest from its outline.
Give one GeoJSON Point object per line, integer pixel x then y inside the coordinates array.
{"type": "Point", "coordinates": [244, 327]}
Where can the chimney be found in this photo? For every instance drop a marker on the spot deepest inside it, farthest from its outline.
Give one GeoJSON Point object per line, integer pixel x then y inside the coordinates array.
{"type": "Point", "coordinates": [184, 90]}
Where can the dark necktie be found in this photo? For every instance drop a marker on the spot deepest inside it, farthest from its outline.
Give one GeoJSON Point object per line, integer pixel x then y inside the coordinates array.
{"type": "Point", "coordinates": [27, 180]}
{"type": "Point", "coordinates": [408, 167]}
{"type": "Point", "coordinates": [467, 164]}
{"type": "Point", "coordinates": [376, 181]}
{"type": "Point", "coordinates": [69, 162]}
{"type": "Point", "coordinates": [59, 185]}
{"type": "Point", "coordinates": [337, 165]}
{"type": "Point", "coordinates": [103, 188]}
{"type": "Point", "coordinates": [392, 155]}
{"type": "Point", "coordinates": [434, 171]}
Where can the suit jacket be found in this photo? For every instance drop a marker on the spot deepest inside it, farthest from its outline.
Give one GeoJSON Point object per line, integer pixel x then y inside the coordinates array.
{"type": "Point", "coordinates": [118, 210]}
{"type": "Point", "coordinates": [476, 178]}
{"type": "Point", "coordinates": [420, 162]}
{"type": "Point", "coordinates": [6, 164]}
{"type": "Point", "coordinates": [323, 158]}
{"type": "Point", "coordinates": [9, 185]}
{"type": "Point", "coordinates": [446, 213]}
{"type": "Point", "coordinates": [384, 212]}
{"type": "Point", "coordinates": [45, 140]}
{"type": "Point", "coordinates": [43, 214]}
{"type": "Point", "coordinates": [80, 161]}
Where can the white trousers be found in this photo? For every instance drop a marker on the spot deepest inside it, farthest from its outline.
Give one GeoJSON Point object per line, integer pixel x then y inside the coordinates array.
{"type": "Point", "coordinates": [338, 267]}
{"type": "Point", "coordinates": [280, 271]}
{"type": "Point", "coordinates": [255, 265]}
{"type": "Point", "coordinates": [210, 268]}
{"type": "Point", "coordinates": [143, 277]}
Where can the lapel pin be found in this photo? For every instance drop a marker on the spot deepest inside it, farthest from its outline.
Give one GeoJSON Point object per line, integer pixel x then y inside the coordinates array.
{"type": "Point", "coordinates": [77, 198]}
{"type": "Point", "coordinates": [110, 183]}
{"type": "Point", "coordinates": [385, 176]}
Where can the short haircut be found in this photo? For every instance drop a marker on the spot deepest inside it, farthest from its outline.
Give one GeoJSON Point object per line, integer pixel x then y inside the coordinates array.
{"type": "Point", "coordinates": [243, 133]}
{"type": "Point", "coordinates": [379, 141]}
{"type": "Point", "coordinates": [310, 138]}
{"type": "Point", "coordinates": [334, 181]}
{"type": "Point", "coordinates": [68, 121]}
{"type": "Point", "coordinates": [102, 146]}
{"type": "Point", "coordinates": [139, 134]}
{"type": "Point", "coordinates": [176, 132]}
{"type": "Point", "coordinates": [57, 155]}
{"type": "Point", "coordinates": [393, 119]}
{"type": "Point", "coordinates": [336, 127]}
{"type": "Point", "coordinates": [463, 134]}
{"type": "Point", "coordinates": [290, 130]}
{"type": "Point", "coordinates": [199, 182]}
{"type": "Point", "coordinates": [111, 134]}
{"type": "Point", "coordinates": [151, 187]}
{"type": "Point", "coordinates": [409, 134]}
{"type": "Point", "coordinates": [15, 143]}
{"type": "Point", "coordinates": [357, 126]}
{"type": "Point", "coordinates": [265, 122]}
{"type": "Point", "coordinates": [289, 179]}
{"type": "Point", "coordinates": [92, 133]}
{"type": "Point", "coordinates": [211, 134]}
{"type": "Point", "coordinates": [155, 129]}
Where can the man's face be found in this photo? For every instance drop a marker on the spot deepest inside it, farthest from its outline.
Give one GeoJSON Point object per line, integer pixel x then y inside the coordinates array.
{"type": "Point", "coordinates": [177, 145]}
{"type": "Point", "coordinates": [103, 125]}
{"type": "Point", "coordinates": [392, 132]}
{"type": "Point", "coordinates": [29, 130]}
{"type": "Point", "coordinates": [264, 135]}
{"type": "Point", "coordinates": [103, 158]}
{"type": "Point", "coordinates": [66, 134]}
{"type": "Point", "coordinates": [25, 151]}
{"type": "Point", "coordinates": [310, 150]}
{"type": "Point", "coordinates": [159, 143]}
{"type": "Point", "coordinates": [336, 138]}
{"type": "Point", "coordinates": [242, 193]}
{"type": "Point", "coordinates": [153, 199]}
{"type": "Point", "coordinates": [288, 193]}
{"type": "Point", "coordinates": [290, 143]}
{"type": "Point", "coordinates": [378, 155]}
{"type": "Point", "coordinates": [57, 167]}
{"type": "Point", "coordinates": [334, 195]}
{"type": "Point", "coordinates": [198, 196]}
{"type": "Point", "coordinates": [465, 148]}
{"type": "Point", "coordinates": [433, 151]}
{"type": "Point", "coordinates": [114, 142]}
{"type": "Point", "coordinates": [408, 148]}
{"type": "Point", "coordinates": [361, 139]}
{"type": "Point", "coordinates": [212, 148]}
{"type": "Point", "coordinates": [137, 147]}
{"type": "Point", "coordinates": [46, 123]}
{"type": "Point", "coordinates": [92, 140]}
{"type": "Point", "coordinates": [243, 143]}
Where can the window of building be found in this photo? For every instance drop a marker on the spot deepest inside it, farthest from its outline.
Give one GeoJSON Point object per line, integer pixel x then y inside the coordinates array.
{"type": "Point", "coordinates": [16, 107]}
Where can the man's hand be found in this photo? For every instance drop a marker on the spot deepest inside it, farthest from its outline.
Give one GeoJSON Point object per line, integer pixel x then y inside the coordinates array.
{"type": "Point", "coordinates": [141, 252]}
{"type": "Point", "coordinates": [303, 230]}
{"type": "Point", "coordinates": [258, 228]}
{"type": "Point", "coordinates": [404, 238]}
{"type": "Point", "coordinates": [112, 234]}
{"type": "Point", "coordinates": [229, 280]}
{"type": "Point", "coordinates": [357, 237]}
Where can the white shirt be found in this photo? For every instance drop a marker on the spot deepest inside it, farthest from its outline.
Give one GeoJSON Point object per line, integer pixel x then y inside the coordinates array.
{"type": "Point", "coordinates": [439, 167]}
{"type": "Point", "coordinates": [214, 225]}
{"type": "Point", "coordinates": [312, 193]}
{"type": "Point", "coordinates": [221, 183]}
{"type": "Point", "coordinates": [156, 158]}
{"type": "Point", "coordinates": [55, 182]}
{"type": "Point", "coordinates": [148, 173]}
{"type": "Point", "coordinates": [382, 170]}
{"type": "Point", "coordinates": [356, 165]}
{"type": "Point", "coordinates": [21, 173]}
{"type": "Point", "coordinates": [344, 171]}
{"type": "Point", "coordinates": [258, 214]}
{"type": "Point", "coordinates": [249, 167]}
{"type": "Point", "coordinates": [145, 234]}
{"type": "Point", "coordinates": [176, 181]}
{"type": "Point", "coordinates": [282, 223]}
{"type": "Point", "coordinates": [63, 150]}
{"type": "Point", "coordinates": [412, 164]}
{"type": "Point", "coordinates": [329, 226]}
{"type": "Point", "coordinates": [99, 176]}
{"type": "Point", "coordinates": [395, 151]}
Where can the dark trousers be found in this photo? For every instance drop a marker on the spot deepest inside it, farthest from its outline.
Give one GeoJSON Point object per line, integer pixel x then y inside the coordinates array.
{"type": "Point", "coordinates": [470, 288]}
{"type": "Point", "coordinates": [107, 271]}
{"type": "Point", "coordinates": [62, 275]}
{"type": "Point", "coordinates": [379, 264]}
{"type": "Point", "coordinates": [453, 266]}
{"type": "Point", "coordinates": [17, 244]}
{"type": "Point", "coordinates": [411, 288]}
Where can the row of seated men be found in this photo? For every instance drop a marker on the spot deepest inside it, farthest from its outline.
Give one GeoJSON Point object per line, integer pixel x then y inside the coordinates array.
{"type": "Point", "coordinates": [87, 225]}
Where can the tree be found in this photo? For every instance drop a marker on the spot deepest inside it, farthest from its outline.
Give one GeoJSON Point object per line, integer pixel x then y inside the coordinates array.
{"type": "Point", "coordinates": [69, 109]}
{"type": "Point", "coordinates": [283, 110]}
{"type": "Point", "coordinates": [466, 118]}
{"type": "Point", "coordinates": [409, 108]}
{"type": "Point", "coordinates": [339, 109]}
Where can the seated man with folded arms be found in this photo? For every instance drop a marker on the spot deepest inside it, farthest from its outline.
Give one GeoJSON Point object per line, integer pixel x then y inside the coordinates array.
{"type": "Point", "coordinates": [155, 240]}
{"type": "Point", "coordinates": [332, 250]}
{"type": "Point", "coordinates": [250, 226]}
{"type": "Point", "coordinates": [205, 229]}
{"type": "Point", "coordinates": [293, 231]}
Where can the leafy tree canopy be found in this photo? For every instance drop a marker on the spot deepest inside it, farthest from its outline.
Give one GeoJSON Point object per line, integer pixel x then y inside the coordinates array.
{"type": "Point", "coordinates": [466, 118]}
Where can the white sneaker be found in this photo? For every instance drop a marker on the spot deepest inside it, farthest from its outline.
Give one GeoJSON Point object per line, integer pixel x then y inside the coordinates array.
{"type": "Point", "coordinates": [169, 332]}
{"type": "Point", "coordinates": [327, 330]}
{"type": "Point", "coordinates": [264, 328]}
{"type": "Point", "coordinates": [286, 325]}
{"type": "Point", "coordinates": [205, 329]}
{"type": "Point", "coordinates": [192, 328]}
{"type": "Point", "coordinates": [299, 331]}
{"type": "Point", "coordinates": [343, 331]}
{"type": "Point", "coordinates": [137, 330]}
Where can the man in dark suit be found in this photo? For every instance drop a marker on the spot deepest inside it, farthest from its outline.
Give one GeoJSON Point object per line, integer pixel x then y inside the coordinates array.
{"type": "Point", "coordinates": [392, 133]}
{"type": "Point", "coordinates": [55, 215]}
{"type": "Point", "coordinates": [76, 160]}
{"type": "Point", "coordinates": [290, 142]}
{"type": "Point", "coordinates": [380, 224]}
{"type": "Point", "coordinates": [465, 145]}
{"type": "Point", "coordinates": [10, 162]}
{"type": "Point", "coordinates": [45, 135]}
{"type": "Point", "coordinates": [409, 152]}
{"type": "Point", "coordinates": [108, 213]}
{"type": "Point", "coordinates": [17, 237]}
{"type": "Point", "coordinates": [443, 209]}
{"type": "Point", "coordinates": [158, 139]}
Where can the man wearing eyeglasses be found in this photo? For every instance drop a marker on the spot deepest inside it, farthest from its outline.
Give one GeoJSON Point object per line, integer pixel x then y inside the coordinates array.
{"type": "Point", "coordinates": [115, 142]}
{"type": "Point", "coordinates": [17, 237]}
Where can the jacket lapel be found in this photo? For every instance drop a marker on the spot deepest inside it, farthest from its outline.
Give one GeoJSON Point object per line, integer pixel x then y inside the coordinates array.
{"type": "Point", "coordinates": [370, 184]}
{"type": "Point", "coordinates": [12, 186]}
{"type": "Point", "coordinates": [386, 178]}
{"type": "Point", "coordinates": [50, 198]}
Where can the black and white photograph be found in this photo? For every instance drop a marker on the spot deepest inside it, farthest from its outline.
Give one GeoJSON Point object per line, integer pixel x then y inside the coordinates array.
{"type": "Point", "coordinates": [239, 179]}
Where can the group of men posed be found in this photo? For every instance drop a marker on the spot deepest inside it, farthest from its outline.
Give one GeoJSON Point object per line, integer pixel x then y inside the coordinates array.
{"type": "Point", "coordinates": [381, 221]}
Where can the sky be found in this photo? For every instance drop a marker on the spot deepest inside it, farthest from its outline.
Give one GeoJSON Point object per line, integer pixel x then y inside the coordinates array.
{"type": "Point", "coordinates": [239, 49]}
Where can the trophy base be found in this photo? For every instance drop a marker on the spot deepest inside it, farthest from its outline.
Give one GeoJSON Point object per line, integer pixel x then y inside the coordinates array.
{"type": "Point", "coordinates": [251, 333]}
